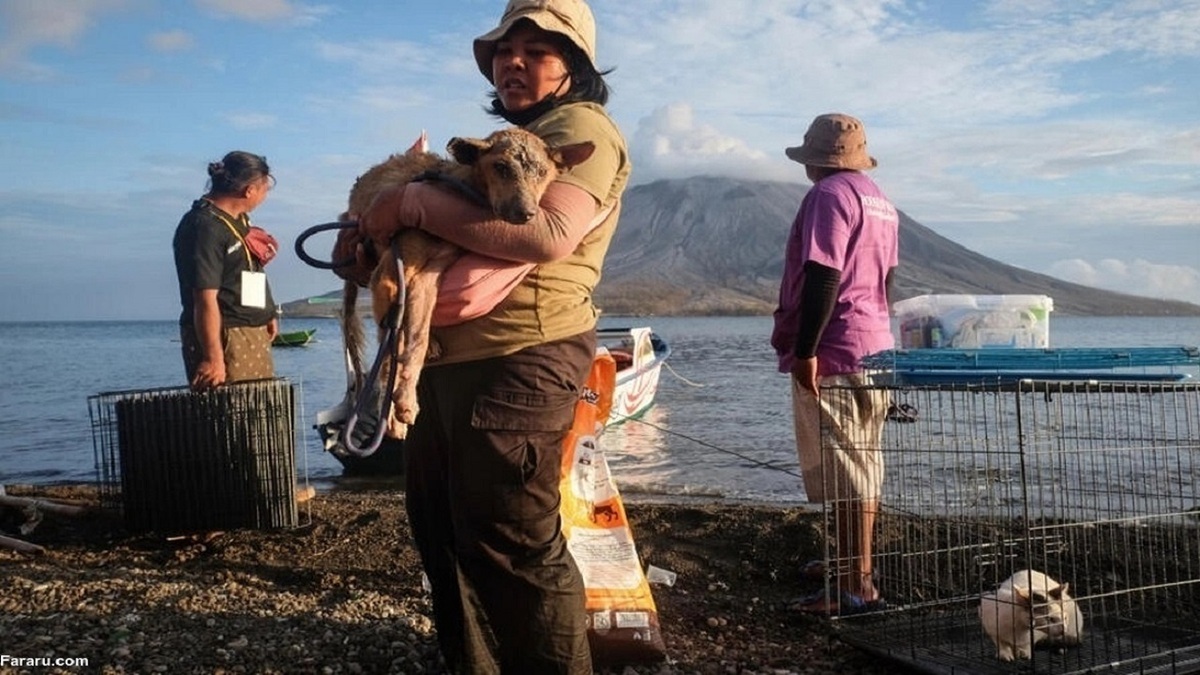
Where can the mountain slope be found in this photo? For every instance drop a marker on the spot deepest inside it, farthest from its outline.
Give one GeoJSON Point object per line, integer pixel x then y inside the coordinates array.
{"type": "Point", "coordinates": [708, 245]}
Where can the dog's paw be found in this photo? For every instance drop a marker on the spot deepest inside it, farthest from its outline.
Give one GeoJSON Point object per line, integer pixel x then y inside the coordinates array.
{"type": "Point", "coordinates": [404, 407]}
{"type": "Point", "coordinates": [434, 351]}
{"type": "Point", "coordinates": [396, 429]}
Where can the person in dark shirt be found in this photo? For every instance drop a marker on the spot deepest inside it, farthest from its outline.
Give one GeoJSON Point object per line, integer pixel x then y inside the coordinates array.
{"type": "Point", "coordinates": [229, 317]}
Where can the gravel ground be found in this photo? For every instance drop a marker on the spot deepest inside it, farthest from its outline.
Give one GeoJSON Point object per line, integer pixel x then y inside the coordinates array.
{"type": "Point", "coordinates": [342, 593]}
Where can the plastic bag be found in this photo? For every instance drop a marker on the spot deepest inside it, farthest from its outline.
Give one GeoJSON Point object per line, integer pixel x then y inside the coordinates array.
{"type": "Point", "coordinates": [623, 625]}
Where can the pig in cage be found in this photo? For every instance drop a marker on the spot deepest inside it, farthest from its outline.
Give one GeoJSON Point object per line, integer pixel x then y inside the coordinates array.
{"type": "Point", "coordinates": [1036, 526]}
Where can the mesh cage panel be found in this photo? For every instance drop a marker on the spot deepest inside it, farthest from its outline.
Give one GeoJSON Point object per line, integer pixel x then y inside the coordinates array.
{"type": "Point", "coordinates": [173, 460]}
{"type": "Point", "coordinates": [1095, 484]}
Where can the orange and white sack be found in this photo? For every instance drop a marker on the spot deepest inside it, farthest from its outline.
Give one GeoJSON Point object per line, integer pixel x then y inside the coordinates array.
{"type": "Point", "coordinates": [623, 624]}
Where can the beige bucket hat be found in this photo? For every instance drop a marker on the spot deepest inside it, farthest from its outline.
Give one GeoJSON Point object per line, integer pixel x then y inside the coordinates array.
{"type": "Point", "coordinates": [570, 18]}
{"type": "Point", "coordinates": [835, 141]}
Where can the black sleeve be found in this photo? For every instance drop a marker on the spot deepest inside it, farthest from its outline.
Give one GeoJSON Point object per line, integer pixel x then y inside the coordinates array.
{"type": "Point", "coordinates": [818, 295]}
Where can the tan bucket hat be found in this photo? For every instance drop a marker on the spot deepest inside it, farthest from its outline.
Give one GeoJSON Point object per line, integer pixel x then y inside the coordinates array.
{"type": "Point", "coordinates": [570, 18]}
{"type": "Point", "coordinates": [835, 141]}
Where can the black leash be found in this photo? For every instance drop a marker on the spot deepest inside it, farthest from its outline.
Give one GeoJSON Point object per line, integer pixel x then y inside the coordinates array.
{"type": "Point", "coordinates": [391, 334]}
{"type": "Point", "coordinates": [391, 323]}
{"type": "Point", "coordinates": [323, 227]}
{"type": "Point", "coordinates": [466, 190]}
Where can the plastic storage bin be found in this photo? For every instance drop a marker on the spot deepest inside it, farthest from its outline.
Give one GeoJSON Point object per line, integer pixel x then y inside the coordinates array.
{"type": "Point", "coordinates": [974, 321]}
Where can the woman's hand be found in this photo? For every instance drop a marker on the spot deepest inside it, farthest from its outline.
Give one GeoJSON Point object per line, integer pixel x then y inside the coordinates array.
{"type": "Point", "coordinates": [210, 373]}
{"type": "Point", "coordinates": [351, 245]}
{"type": "Point", "coordinates": [382, 221]}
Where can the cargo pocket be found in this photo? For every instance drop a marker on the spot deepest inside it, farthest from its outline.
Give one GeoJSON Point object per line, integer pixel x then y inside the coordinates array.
{"type": "Point", "coordinates": [524, 431]}
{"type": "Point", "coordinates": [523, 411]}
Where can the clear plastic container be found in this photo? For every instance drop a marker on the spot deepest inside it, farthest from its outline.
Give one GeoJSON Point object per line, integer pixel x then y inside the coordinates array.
{"type": "Point", "coordinates": [974, 321]}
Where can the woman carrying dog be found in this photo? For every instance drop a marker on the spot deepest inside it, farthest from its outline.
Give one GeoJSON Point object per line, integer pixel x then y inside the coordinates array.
{"type": "Point", "coordinates": [483, 458]}
{"type": "Point", "coordinates": [228, 319]}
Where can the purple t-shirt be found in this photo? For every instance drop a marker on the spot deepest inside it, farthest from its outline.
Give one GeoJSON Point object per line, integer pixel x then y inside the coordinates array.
{"type": "Point", "coordinates": [846, 223]}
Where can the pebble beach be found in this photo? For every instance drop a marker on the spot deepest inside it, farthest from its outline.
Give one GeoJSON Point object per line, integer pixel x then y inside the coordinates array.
{"type": "Point", "coordinates": [342, 593]}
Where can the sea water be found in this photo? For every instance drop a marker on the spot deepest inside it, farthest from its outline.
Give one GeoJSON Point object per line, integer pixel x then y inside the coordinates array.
{"type": "Point", "coordinates": [721, 427]}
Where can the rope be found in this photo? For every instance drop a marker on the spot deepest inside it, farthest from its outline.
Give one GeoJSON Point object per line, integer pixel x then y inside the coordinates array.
{"type": "Point", "coordinates": [756, 463]}
{"type": "Point", "coordinates": [682, 378]}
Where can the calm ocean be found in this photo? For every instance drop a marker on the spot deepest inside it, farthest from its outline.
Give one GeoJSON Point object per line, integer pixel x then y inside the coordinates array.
{"type": "Point", "coordinates": [721, 428]}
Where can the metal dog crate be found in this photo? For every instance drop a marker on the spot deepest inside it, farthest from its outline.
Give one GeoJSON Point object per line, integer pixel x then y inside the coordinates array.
{"type": "Point", "coordinates": [173, 460]}
{"type": "Point", "coordinates": [1093, 483]}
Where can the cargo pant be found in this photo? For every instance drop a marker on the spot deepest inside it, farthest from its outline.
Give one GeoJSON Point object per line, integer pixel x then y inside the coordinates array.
{"type": "Point", "coordinates": [483, 470]}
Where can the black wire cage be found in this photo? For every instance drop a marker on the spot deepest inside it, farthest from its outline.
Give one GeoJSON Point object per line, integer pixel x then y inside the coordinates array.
{"type": "Point", "coordinates": [1092, 483]}
{"type": "Point", "coordinates": [175, 461]}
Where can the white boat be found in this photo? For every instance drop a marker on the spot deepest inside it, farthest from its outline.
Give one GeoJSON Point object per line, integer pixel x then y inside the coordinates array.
{"type": "Point", "coordinates": [640, 354]}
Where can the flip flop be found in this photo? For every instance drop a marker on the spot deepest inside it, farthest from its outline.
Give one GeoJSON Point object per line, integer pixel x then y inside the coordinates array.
{"type": "Point", "coordinates": [903, 413]}
{"type": "Point", "coordinates": [846, 604]}
{"type": "Point", "coordinates": [813, 570]}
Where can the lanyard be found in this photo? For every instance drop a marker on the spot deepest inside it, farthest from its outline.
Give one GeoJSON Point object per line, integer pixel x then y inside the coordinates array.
{"type": "Point", "coordinates": [232, 228]}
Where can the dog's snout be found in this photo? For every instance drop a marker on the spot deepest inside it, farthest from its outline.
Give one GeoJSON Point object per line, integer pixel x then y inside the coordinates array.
{"type": "Point", "coordinates": [519, 211]}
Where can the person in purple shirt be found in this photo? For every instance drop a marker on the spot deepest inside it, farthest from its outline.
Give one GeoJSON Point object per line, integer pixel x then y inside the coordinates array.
{"type": "Point", "coordinates": [833, 310]}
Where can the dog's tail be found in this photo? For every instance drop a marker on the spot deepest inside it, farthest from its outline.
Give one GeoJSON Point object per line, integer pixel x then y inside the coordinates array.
{"type": "Point", "coordinates": [352, 331]}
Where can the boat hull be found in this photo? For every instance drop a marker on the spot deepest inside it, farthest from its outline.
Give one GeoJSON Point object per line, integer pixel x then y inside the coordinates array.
{"type": "Point", "coordinates": [639, 354]}
{"type": "Point", "coordinates": [297, 338]}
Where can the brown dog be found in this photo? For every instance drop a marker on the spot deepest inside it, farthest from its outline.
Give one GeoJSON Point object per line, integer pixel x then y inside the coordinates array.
{"type": "Point", "coordinates": [511, 170]}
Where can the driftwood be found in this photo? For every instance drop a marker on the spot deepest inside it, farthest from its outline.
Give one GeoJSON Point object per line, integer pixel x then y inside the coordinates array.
{"type": "Point", "coordinates": [19, 545]}
{"type": "Point", "coordinates": [43, 505]}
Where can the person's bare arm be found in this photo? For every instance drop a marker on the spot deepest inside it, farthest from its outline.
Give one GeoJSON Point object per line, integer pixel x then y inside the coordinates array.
{"type": "Point", "coordinates": [207, 318]}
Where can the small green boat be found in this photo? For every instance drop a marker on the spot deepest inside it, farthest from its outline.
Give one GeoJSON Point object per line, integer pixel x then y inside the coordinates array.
{"type": "Point", "coordinates": [296, 338]}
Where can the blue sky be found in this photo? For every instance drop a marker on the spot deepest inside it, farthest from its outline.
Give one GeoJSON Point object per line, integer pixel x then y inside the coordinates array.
{"type": "Point", "coordinates": [1062, 137]}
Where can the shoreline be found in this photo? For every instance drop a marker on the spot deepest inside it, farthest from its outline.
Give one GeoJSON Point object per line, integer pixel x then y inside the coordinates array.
{"type": "Point", "coordinates": [341, 593]}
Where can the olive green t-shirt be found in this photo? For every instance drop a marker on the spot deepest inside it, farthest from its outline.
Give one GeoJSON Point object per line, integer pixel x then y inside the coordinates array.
{"type": "Point", "coordinates": [554, 301]}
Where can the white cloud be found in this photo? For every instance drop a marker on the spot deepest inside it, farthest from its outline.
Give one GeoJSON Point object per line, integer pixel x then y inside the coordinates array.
{"type": "Point", "coordinates": [264, 11]}
{"type": "Point", "coordinates": [669, 143]}
{"type": "Point", "coordinates": [1136, 277]}
{"type": "Point", "coordinates": [29, 24]}
{"type": "Point", "coordinates": [379, 57]}
{"type": "Point", "coordinates": [251, 121]}
{"type": "Point", "coordinates": [171, 41]}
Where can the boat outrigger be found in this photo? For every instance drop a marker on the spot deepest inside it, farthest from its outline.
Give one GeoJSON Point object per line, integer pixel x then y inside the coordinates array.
{"type": "Point", "coordinates": [639, 354]}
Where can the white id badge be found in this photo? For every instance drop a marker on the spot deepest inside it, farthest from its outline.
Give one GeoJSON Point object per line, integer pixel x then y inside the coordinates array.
{"type": "Point", "coordinates": [254, 289]}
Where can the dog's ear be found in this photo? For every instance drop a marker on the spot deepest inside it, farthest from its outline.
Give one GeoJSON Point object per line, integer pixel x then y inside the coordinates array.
{"type": "Point", "coordinates": [467, 150]}
{"type": "Point", "coordinates": [419, 146]}
{"type": "Point", "coordinates": [567, 156]}
{"type": "Point", "coordinates": [1023, 596]}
